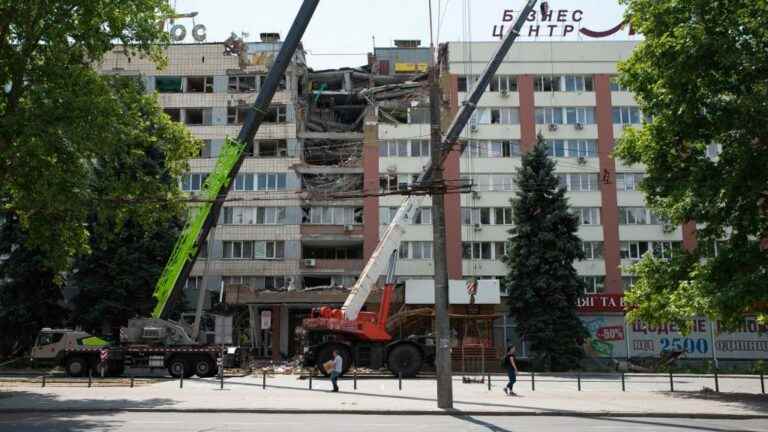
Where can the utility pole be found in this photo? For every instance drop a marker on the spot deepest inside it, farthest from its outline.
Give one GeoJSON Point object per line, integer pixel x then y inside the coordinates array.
{"type": "Point", "coordinates": [439, 250]}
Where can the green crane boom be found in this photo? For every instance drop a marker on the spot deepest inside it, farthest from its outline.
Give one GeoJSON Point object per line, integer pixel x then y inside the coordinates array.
{"type": "Point", "coordinates": [219, 182]}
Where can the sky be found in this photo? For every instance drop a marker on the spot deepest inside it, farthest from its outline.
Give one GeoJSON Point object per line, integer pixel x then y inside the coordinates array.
{"type": "Point", "coordinates": [343, 31]}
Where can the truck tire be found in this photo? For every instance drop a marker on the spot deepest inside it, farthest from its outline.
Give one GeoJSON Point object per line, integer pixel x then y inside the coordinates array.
{"type": "Point", "coordinates": [76, 366]}
{"type": "Point", "coordinates": [405, 359]}
{"type": "Point", "coordinates": [178, 365]}
{"type": "Point", "coordinates": [326, 353]}
{"type": "Point", "coordinates": [204, 367]}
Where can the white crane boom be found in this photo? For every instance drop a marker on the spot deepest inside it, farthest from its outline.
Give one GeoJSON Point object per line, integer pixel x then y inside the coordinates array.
{"type": "Point", "coordinates": [390, 241]}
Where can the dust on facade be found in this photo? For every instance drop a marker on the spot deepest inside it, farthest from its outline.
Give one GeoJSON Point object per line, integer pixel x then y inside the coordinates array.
{"type": "Point", "coordinates": [339, 146]}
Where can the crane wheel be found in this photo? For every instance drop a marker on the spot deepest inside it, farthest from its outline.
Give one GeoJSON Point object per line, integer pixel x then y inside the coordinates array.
{"type": "Point", "coordinates": [405, 359]}
{"type": "Point", "coordinates": [76, 366]}
{"type": "Point", "coordinates": [180, 365]}
{"type": "Point", "coordinates": [204, 367]}
{"type": "Point", "coordinates": [326, 353]}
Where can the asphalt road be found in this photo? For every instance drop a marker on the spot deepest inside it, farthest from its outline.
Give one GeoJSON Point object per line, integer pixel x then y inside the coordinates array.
{"type": "Point", "coordinates": [167, 422]}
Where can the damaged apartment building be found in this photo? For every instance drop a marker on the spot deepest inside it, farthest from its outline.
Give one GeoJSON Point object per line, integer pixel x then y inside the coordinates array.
{"type": "Point", "coordinates": [303, 214]}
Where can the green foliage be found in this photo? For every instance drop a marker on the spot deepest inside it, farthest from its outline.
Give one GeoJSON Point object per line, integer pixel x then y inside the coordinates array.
{"type": "Point", "coordinates": [58, 116]}
{"type": "Point", "coordinates": [30, 297]}
{"type": "Point", "coordinates": [702, 74]}
{"type": "Point", "coordinates": [543, 285]}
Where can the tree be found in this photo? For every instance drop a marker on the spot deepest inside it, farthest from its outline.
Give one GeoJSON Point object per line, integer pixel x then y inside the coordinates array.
{"type": "Point", "coordinates": [30, 293]}
{"type": "Point", "coordinates": [701, 74]}
{"type": "Point", "coordinates": [543, 286]}
{"type": "Point", "coordinates": [57, 115]}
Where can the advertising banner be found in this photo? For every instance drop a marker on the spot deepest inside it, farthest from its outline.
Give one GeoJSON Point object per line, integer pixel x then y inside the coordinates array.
{"type": "Point", "coordinates": [610, 337]}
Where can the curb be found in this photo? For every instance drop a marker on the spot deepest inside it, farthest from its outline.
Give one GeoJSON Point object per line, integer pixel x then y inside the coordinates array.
{"type": "Point", "coordinates": [460, 413]}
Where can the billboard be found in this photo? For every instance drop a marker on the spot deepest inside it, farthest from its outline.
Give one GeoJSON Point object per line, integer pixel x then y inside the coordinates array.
{"type": "Point", "coordinates": [611, 337]}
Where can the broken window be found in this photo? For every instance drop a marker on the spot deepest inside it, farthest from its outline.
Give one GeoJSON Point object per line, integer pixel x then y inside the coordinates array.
{"type": "Point", "coordinates": [272, 148]}
{"type": "Point", "coordinates": [237, 115]}
{"type": "Point", "coordinates": [333, 253]}
{"type": "Point", "coordinates": [503, 84]}
{"type": "Point", "coordinates": [243, 84]}
{"type": "Point", "coordinates": [205, 149]}
{"type": "Point", "coordinates": [197, 116]}
{"type": "Point", "coordinates": [173, 113]}
{"type": "Point", "coordinates": [547, 83]}
{"type": "Point", "coordinates": [193, 182]}
{"type": "Point", "coordinates": [276, 114]}
{"type": "Point", "coordinates": [418, 115]}
{"type": "Point", "coordinates": [169, 84]}
{"type": "Point", "coordinates": [202, 84]}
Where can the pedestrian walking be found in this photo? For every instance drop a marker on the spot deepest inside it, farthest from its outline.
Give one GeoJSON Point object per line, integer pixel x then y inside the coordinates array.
{"type": "Point", "coordinates": [511, 366]}
{"type": "Point", "coordinates": [338, 364]}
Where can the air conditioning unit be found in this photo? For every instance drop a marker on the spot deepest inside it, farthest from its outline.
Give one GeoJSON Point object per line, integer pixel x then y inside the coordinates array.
{"type": "Point", "coordinates": [582, 160]}
{"type": "Point", "coordinates": [579, 126]}
{"type": "Point", "coordinates": [478, 227]}
{"type": "Point", "coordinates": [476, 195]}
{"type": "Point", "coordinates": [505, 93]}
{"type": "Point", "coordinates": [349, 227]}
{"type": "Point", "coordinates": [552, 127]}
{"type": "Point", "coordinates": [473, 127]}
{"type": "Point", "coordinates": [309, 262]}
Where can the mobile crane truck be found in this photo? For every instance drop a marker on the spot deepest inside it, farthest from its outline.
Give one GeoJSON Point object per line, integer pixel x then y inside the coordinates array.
{"type": "Point", "coordinates": [362, 337]}
{"type": "Point", "coordinates": [157, 342]}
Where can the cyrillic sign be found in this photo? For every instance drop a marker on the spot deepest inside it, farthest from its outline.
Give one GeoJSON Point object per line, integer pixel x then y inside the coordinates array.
{"type": "Point", "coordinates": [555, 23]}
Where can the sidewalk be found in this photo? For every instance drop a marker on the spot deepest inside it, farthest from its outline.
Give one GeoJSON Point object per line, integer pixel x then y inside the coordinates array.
{"type": "Point", "coordinates": [288, 394]}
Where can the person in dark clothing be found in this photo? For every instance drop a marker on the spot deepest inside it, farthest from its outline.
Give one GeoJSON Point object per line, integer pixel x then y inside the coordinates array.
{"type": "Point", "coordinates": [509, 363]}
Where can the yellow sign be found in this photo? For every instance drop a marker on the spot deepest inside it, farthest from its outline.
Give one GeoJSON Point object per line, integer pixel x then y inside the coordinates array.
{"type": "Point", "coordinates": [410, 67]}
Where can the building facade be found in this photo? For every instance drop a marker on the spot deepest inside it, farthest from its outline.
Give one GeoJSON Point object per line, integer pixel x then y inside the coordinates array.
{"type": "Point", "coordinates": [323, 182]}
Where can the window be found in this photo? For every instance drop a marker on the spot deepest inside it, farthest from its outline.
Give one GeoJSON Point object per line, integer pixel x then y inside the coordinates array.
{"type": "Point", "coordinates": [491, 149]}
{"type": "Point", "coordinates": [565, 115]}
{"type": "Point", "coordinates": [193, 182]}
{"type": "Point", "coordinates": [260, 181]}
{"type": "Point", "coordinates": [386, 214]}
{"type": "Point", "coordinates": [594, 284]}
{"type": "Point", "coordinates": [258, 283]}
{"type": "Point", "coordinates": [276, 114]}
{"type": "Point", "coordinates": [197, 116]}
{"type": "Point", "coordinates": [578, 83]}
{"type": "Point", "coordinates": [616, 86]}
{"type": "Point", "coordinates": [243, 84]}
{"type": "Point", "coordinates": [271, 148]}
{"type": "Point", "coordinates": [332, 215]}
{"type": "Point", "coordinates": [462, 83]}
{"type": "Point", "coordinates": [255, 216]}
{"type": "Point", "coordinates": [254, 249]}
{"type": "Point", "coordinates": [423, 216]}
{"type": "Point", "coordinates": [420, 148]}
{"type": "Point", "coordinates": [498, 116]}
{"type": "Point", "coordinates": [592, 250]}
{"type": "Point", "coordinates": [206, 150]}
{"type": "Point", "coordinates": [237, 115]}
{"type": "Point", "coordinates": [588, 215]}
{"type": "Point", "coordinates": [169, 84]}
{"type": "Point", "coordinates": [396, 182]}
{"type": "Point", "coordinates": [634, 250]}
{"type": "Point", "coordinates": [579, 182]}
{"type": "Point", "coordinates": [547, 83]}
{"type": "Point", "coordinates": [503, 84]}
{"type": "Point", "coordinates": [639, 216]}
{"type": "Point", "coordinates": [417, 250]}
{"type": "Point", "coordinates": [627, 115]}
{"type": "Point", "coordinates": [418, 115]}
{"type": "Point", "coordinates": [173, 113]}
{"type": "Point", "coordinates": [628, 181]}
{"type": "Point", "coordinates": [203, 84]}
{"type": "Point", "coordinates": [194, 283]}
{"type": "Point", "coordinates": [572, 148]}
{"type": "Point", "coordinates": [354, 252]}
{"type": "Point", "coordinates": [627, 282]}
{"type": "Point", "coordinates": [549, 116]}
{"type": "Point", "coordinates": [484, 250]}
{"type": "Point", "coordinates": [502, 216]}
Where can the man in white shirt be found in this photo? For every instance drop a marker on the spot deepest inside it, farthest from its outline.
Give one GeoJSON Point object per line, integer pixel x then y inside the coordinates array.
{"type": "Point", "coordinates": [338, 364]}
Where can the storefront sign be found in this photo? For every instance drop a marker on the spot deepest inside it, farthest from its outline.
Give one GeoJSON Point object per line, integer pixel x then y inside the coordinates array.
{"type": "Point", "coordinates": [266, 320]}
{"type": "Point", "coordinates": [555, 23]}
{"type": "Point", "coordinates": [600, 303]}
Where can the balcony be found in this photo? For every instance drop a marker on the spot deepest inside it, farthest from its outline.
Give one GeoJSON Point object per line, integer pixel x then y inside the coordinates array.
{"type": "Point", "coordinates": [319, 232]}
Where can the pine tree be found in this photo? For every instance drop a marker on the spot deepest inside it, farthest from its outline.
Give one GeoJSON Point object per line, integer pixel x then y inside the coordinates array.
{"type": "Point", "coordinates": [543, 286]}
